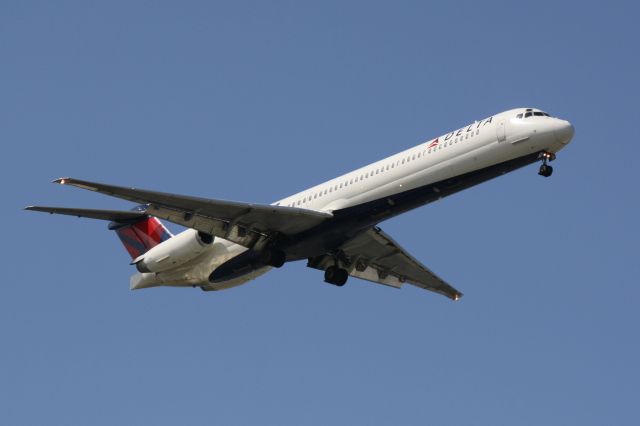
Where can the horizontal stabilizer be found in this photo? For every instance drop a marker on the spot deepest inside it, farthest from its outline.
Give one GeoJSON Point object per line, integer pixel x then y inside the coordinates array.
{"type": "Point", "coordinates": [112, 215]}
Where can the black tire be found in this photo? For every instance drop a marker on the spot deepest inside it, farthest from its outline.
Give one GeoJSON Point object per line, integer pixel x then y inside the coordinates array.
{"type": "Point", "coordinates": [545, 170]}
{"type": "Point", "coordinates": [275, 258]}
{"type": "Point", "coordinates": [278, 258]}
{"type": "Point", "coordinates": [341, 277]}
{"type": "Point", "coordinates": [336, 276]}
{"type": "Point", "coordinates": [330, 274]}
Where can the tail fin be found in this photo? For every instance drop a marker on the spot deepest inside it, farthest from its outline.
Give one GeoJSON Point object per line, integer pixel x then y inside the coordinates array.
{"type": "Point", "coordinates": [140, 236]}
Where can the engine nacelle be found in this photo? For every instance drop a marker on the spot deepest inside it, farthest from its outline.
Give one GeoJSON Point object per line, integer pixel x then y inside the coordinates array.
{"type": "Point", "coordinates": [174, 252]}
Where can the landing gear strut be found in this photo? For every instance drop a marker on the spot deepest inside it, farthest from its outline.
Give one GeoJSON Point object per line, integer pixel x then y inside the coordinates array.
{"type": "Point", "coordinates": [336, 275]}
{"type": "Point", "coordinates": [545, 169]}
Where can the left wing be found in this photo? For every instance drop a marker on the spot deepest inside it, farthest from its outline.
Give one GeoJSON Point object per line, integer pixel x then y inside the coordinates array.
{"type": "Point", "coordinates": [249, 225]}
{"type": "Point", "coordinates": [375, 256]}
{"type": "Point", "coordinates": [113, 215]}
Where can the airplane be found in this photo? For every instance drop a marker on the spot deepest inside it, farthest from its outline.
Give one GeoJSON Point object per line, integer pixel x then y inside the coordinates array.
{"type": "Point", "coordinates": [333, 225]}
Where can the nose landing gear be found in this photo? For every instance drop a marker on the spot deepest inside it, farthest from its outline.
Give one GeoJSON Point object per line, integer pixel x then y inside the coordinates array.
{"type": "Point", "coordinates": [545, 169]}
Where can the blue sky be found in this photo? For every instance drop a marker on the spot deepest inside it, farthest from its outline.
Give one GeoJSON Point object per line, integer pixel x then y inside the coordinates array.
{"type": "Point", "coordinates": [253, 101]}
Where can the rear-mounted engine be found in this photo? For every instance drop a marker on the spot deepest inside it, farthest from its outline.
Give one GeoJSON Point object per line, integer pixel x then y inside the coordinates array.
{"type": "Point", "coordinates": [174, 252]}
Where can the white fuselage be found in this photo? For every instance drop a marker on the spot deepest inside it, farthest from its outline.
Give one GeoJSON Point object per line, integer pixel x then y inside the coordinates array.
{"type": "Point", "coordinates": [484, 143]}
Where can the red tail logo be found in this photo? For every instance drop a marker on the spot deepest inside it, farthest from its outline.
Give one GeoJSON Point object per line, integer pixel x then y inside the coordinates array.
{"type": "Point", "coordinates": [140, 237]}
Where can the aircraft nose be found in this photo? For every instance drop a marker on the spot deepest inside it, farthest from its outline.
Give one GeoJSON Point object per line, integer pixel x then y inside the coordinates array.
{"type": "Point", "coordinates": [564, 131]}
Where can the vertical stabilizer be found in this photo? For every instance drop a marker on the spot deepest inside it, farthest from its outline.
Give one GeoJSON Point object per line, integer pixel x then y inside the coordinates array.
{"type": "Point", "coordinates": [140, 236]}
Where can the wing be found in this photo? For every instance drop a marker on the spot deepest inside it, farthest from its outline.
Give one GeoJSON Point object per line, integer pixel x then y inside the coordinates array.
{"type": "Point", "coordinates": [247, 224]}
{"type": "Point", "coordinates": [113, 215]}
{"type": "Point", "coordinates": [375, 256]}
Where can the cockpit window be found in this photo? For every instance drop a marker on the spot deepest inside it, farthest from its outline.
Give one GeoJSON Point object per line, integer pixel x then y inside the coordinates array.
{"type": "Point", "coordinates": [531, 113]}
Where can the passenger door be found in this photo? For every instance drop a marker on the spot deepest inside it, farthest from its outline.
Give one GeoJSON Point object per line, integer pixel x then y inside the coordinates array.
{"type": "Point", "coordinates": [500, 130]}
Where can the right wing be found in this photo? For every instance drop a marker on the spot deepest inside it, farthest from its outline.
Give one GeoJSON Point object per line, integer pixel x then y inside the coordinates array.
{"type": "Point", "coordinates": [249, 225]}
{"type": "Point", "coordinates": [374, 256]}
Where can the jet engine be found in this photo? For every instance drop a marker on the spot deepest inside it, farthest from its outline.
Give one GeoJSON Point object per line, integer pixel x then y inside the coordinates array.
{"type": "Point", "coordinates": [174, 252]}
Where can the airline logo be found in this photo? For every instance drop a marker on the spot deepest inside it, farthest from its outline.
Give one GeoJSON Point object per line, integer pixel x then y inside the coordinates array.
{"type": "Point", "coordinates": [140, 237]}
{"type": "Point", "coordinates": [433, 144]}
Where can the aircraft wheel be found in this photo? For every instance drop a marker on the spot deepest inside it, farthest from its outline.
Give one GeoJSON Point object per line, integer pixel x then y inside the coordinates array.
{"type": "Point", "coordinates": [275, 258]}
{"type": "Point", "coordinates": [336, 276]}
{"type": "Point", "coordinates": [342, 277]}
{"type": "Point", "coordinates": [545, 170]}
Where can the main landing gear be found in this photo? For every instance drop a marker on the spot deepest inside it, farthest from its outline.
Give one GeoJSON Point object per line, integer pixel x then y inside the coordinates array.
{"type": "Point", "coordinates": [336, 275]}
{"type": "Point", "coordinates": [273, 257]}
{"type": "Point", "coordinates": [545, 169]}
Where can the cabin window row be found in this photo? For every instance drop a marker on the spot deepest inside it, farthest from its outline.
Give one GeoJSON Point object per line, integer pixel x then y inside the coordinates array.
{"type": "Point", "coordinates": [382, 169]}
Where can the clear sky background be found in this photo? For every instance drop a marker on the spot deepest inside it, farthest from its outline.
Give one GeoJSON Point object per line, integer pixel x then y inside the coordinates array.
{"type": "Point", "coordinates": [253, 101]}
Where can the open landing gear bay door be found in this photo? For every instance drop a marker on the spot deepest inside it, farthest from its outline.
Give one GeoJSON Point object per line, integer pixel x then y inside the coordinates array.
{"type": "Point", "coordinates": [375, 256]}
{"type": "Point", "coordinates": [250, 225]}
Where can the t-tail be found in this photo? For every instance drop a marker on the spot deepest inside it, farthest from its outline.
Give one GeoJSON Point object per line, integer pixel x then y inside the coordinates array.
{"type": "Point", "coordinates": [142, 235]}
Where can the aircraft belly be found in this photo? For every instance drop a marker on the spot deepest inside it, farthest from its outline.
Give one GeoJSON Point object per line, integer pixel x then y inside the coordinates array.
{"type": "Point", "coordinates": [234, 282]}
{"type": "Point", "coordinates": [349, 222]}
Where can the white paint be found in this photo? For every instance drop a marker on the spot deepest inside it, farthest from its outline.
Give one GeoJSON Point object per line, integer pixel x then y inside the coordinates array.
{"type": "Point", "coordinates": [487, 142]}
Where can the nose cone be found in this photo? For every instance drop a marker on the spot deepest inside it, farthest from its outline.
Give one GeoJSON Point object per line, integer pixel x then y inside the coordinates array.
{"type": "Point", "coordinates": [564, 131]}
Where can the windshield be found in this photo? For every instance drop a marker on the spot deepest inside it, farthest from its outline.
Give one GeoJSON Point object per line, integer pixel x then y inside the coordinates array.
{"type": "Point", "coordinates": [531, 113]}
